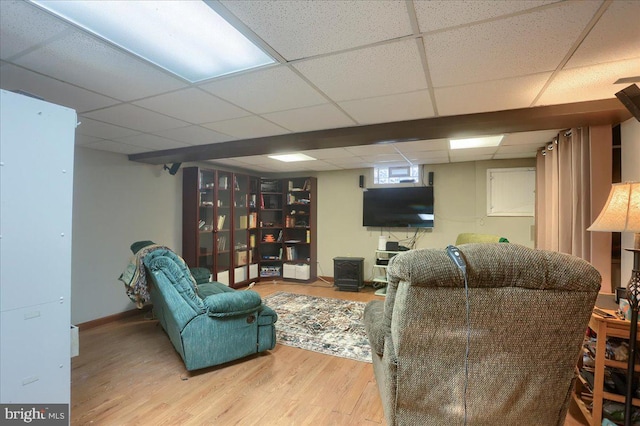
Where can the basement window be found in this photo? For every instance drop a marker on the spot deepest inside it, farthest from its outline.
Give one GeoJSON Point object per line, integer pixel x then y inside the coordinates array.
{"type": "Point", "coordinates": [391, 175]}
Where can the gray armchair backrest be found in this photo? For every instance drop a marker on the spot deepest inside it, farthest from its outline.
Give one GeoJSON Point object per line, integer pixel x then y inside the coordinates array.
{"type": "Point", "coordinates": [528, 313]}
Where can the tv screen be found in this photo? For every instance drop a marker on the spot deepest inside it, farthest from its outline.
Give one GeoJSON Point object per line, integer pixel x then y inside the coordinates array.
{"type": "Point", "coordinates": [398, 207]}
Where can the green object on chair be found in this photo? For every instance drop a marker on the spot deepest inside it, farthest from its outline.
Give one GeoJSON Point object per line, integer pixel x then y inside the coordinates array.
{"type": "Point", "coordinates": [471, 237]}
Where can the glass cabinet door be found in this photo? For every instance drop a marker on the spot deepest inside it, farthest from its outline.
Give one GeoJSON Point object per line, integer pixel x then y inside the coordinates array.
{"type": "Point", "coordinates": [223, 227]}
{"type": "Point", "coordinates": [206, 189]}
{"type": "Point", "coordinates": [240, 228]}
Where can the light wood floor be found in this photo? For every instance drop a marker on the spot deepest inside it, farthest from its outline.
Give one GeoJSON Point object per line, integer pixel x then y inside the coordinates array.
{"type": "Point", "coordinates": [128, 373]}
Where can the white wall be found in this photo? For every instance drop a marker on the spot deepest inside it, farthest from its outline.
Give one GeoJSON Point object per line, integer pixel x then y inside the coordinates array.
{"type": "Point", "coordinates": [630, 136]}
{"type": "Point", "coordinates": [460, 206]}
{"type": "Point", "coordinates": [116, 202]}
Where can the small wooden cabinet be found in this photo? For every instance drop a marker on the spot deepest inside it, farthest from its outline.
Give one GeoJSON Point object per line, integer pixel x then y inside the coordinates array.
{"type": "Point", "coordinates": [604, 327]}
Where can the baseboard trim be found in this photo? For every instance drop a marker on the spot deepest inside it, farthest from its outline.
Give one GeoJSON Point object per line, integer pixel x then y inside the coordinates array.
{"type": "Point", "coordinates": [111, 318]}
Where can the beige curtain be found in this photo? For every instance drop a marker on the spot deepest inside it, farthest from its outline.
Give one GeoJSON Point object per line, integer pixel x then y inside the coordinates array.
{"type": "Point", "coordinates": [563, 195]}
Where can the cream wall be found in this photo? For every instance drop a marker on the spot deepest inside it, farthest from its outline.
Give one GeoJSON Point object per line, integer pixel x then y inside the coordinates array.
{"type": "Point", "coordinates": [115, 203]}
{"type": "Point", "coordinates": [460, 206]}
{"type": "Point", "coordinates": [630, 136]}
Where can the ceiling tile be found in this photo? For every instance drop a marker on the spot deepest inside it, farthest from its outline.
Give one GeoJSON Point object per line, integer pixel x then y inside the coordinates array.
{"type": "Point", "coordinates": [152, 142]}
{"type": "Point", "coordinates": [317, 117]}
{"type": "Point", "coordinates": [346, 162]}
{"type": "Point", "coordinates": [426, 157]}
{"type": "Point", "coordinates": [81, 139]}
{"type": "Point", "coordinates": [193, 106]}
{"type": "Point", "coordinates": [384, 158]}
{"type": "Point", "coordinates": [494, 50]}
{"type": "Point", "coordinates": [86, 62]}
{"type": "Point", "coordinates": [118, 147]}
{"type": "Point", "coordinates": [439, 14]}
{"type": "Point", "coordinates": [266, 90]}
{"type": "Point", "coordinates": [529, 138]}
{"type": "Point", "coordinates": [299, 29]}
{"type": "Point", "coordinates": [381, 148]}
{"type": "Point", "coordinates": [454, 153]}
{"type": "Point", "coordinates": [373, 71]}
{"type": "Point", "coordinates": [496, 95]}
{"type": "Point", "coordinates": [425, 145]}
{"type": "Point", "coordinates": [515, 149]}
{"type": "Point", "coordinates": [471, 157]}
{"type": "Point", "coordinates": [385, 109]}
{"type": "Point", "coordinates": [101, 130]}
{"type": "Point", "coordinates": [325, 154]}
{"type": "Point", "coordinates": [194, 135]}
{"type": "Point", "coordinates": [81, 100]}
{"type": "Point", "coordinates": [137, 118]}
{"type": "Point", "coordinates": [615, 37]}
{"type": "Point", "coordinates": [24, 26]}
{"type": "Point", "coordinates": [247, 127]}
{"type": "Point", "coordinates": [500, 156]}
{"type": "Point", "coordinates": [588, 83]}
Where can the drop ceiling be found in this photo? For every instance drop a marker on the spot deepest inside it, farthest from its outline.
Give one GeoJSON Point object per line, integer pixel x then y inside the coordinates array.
{"type": "Point", "coordinates": [344, 69]}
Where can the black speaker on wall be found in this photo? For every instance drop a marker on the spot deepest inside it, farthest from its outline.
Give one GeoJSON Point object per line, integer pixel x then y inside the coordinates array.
{"type": "Point", "coordinates": [430, 178]}
{"type": "Point", "coordinates": [361, 181]}
{"type": "Point", "coordinates": [630, 98]}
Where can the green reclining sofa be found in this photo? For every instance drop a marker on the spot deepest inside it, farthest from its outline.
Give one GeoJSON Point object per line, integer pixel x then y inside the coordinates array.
{"type": "Point", "coordinates": [208, 323]}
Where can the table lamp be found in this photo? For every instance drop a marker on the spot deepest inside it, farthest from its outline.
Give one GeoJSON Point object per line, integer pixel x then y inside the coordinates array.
{"type": "Point", "coordinates": [621, 213]}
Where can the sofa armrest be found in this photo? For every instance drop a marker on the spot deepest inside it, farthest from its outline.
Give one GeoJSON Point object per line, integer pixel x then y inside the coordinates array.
{"type": "Point", "coordinates": [267, 316]}
{"type": "Point", "coordinates": [374, 324]}
{"type": "Point", "coordinates": [232, 303]}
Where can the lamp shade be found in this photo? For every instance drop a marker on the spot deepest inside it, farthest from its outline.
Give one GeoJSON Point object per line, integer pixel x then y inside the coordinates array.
{"type": "Point", "coordinates": [621, 213]}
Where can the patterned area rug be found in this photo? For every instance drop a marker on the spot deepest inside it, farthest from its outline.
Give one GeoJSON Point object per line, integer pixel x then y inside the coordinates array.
{"type": "Point", "coordinates": [319, 324]}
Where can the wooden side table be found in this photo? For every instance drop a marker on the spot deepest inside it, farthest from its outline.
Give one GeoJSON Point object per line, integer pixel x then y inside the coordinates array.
{"type": "Point", "coordinates": [604, 327]}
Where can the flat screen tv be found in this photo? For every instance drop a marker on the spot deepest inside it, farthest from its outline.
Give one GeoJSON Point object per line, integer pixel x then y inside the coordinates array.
{"type": "Point", "coordinates": [398, 207]}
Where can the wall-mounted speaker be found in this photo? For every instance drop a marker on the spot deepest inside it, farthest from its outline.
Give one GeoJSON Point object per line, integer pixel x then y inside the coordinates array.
{"type": "Point", "coordinates": [361, 181]}
{"type": "Point", "coordinates": [173, 169]}
{"type": "Point", "coordinates": [430, 178]}
{"type": "Point", "coordinates": [630, 98]}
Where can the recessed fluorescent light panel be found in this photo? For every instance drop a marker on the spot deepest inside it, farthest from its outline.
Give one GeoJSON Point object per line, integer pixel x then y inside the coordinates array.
{"type": "Point", "coordinates": [288, 158]}
{"type": "Point", "coordinates": [481, 142]}
{"type": "Point", "coordinates": [187, 38]}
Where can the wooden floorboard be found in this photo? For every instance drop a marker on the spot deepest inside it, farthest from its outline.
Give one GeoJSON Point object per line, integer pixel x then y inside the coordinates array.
{"type": "Point", "coordinates": [128, 373]}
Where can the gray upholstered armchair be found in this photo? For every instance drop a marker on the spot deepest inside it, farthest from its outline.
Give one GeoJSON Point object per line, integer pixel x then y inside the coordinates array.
{"type": "Point", "coordinates": [528, 312]}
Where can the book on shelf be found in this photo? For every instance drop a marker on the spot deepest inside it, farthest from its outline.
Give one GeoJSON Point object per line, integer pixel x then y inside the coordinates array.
{"type": "Point", "coordinates": [222, 243]}
{"type": "Point", "coordinates": [243, 221]}
{"type": "Point", "coordinates": [290, 222]}
{"type": "Point", "coordinates": [252, 241]}
{"type": "Point", "coordinates": [223, 182]}
{"type": "Point", "coordinates": [291, 253]}
{"type": "Point", "coordinates": [253, 220]}
{"type": "Point", "coordinates": [221, 219]}
{"type": "Point", "coordinates": [279, 240]}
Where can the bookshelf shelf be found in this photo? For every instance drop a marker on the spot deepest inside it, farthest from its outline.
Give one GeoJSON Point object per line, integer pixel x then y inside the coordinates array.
{"type": "Point", "coordinates": [288, 215]}
{"type": "Point", "coordinates": [220, 220]}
